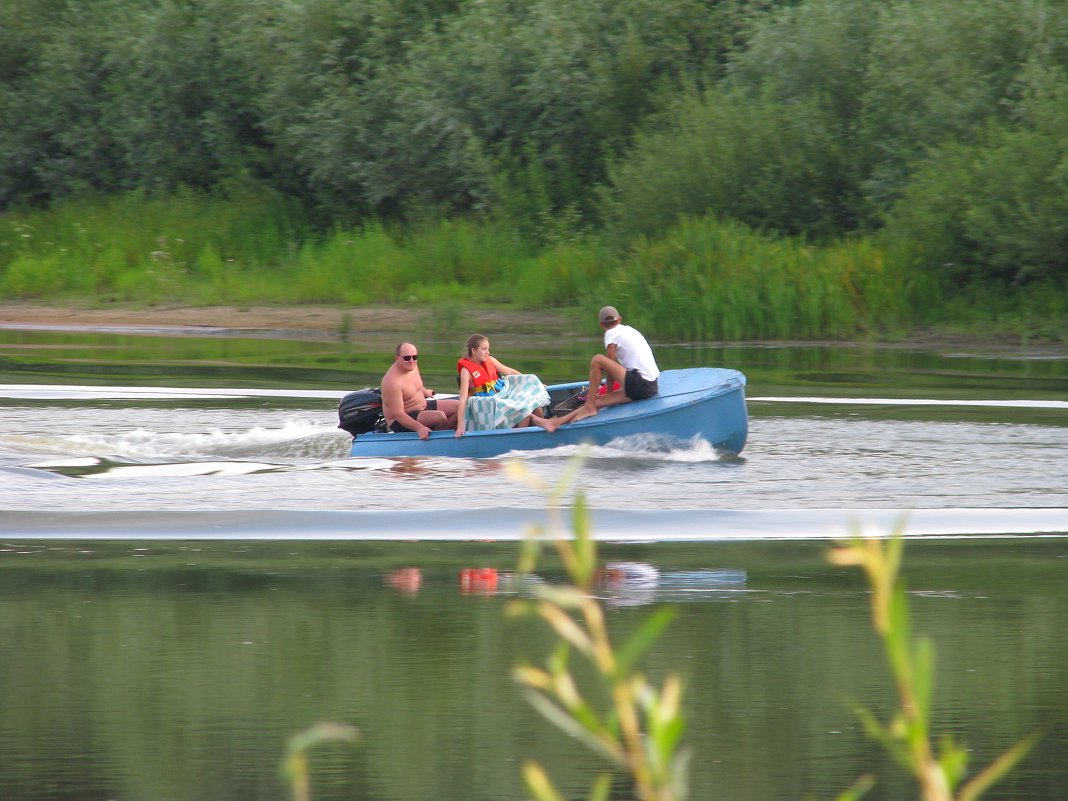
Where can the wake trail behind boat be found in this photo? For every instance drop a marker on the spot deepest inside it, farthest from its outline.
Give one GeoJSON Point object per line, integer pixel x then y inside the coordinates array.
{"type": "Point", "coordinates": [93, 393]}
{"type": "Point", "coordinates": [294, 440]}
{"type": "Point", "coordinates": [511, 524]}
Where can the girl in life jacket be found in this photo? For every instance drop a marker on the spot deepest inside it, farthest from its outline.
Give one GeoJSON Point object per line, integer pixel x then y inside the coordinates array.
{"type": "Point", "coordinates": [492, 394]}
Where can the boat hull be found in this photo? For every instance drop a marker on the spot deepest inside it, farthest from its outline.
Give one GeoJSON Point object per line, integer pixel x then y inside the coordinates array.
{"type": "Point", "coordinates": [703, 402]}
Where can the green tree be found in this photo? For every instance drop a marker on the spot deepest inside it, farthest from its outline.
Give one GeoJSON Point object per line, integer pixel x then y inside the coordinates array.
{"type": "Point", "coordinates": [816, 53]}
{"type": "Point", "coordinates": [179, 103]}
{"type": "Point", "coordinates": [939, 70]}
{"type": "Point", "coordinates": [328, 77]}
{"type": "Point", "coordinates": [996, 210]}
{"type": "Point", "coordinates": [50, 138]}
{"type": "Point", "coordinates": [776, 167]}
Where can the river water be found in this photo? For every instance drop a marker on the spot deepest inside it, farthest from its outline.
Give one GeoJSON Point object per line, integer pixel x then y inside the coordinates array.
{"type": "Point", "coordinates": [192, 569]}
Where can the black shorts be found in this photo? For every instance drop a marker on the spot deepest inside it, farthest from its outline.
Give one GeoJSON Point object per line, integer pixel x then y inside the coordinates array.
{"type": "Point", "coordinates": [397, 427]}
{"type": "Point", "coordinates": [637, 388]}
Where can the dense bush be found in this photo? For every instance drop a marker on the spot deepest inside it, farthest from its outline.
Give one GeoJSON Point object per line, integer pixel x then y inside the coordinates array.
{"type": "Point", "coordinates": [997, 210]}
{"type": "Point", "coordinates": [770, 166]}
{"type": "Point", "coordinates": [576, 126]}
{"type": "Point", "coordinates": [357, 106]}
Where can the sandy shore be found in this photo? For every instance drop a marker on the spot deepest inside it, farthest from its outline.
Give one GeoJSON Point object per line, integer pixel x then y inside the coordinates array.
{"type": "Point", "coordinates": [390, 323]}
{"type": "Point", "coordinates": [315, 322]}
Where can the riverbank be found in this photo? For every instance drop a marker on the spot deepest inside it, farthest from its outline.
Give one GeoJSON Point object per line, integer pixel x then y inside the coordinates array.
{"type": "Point", "coordinates": [318, 322]}
{"type": "Point", "coordinates": [330, 323]}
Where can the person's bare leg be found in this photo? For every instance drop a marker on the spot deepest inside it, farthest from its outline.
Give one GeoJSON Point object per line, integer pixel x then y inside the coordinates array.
{"type": "Point", "coordinates": [613, 398]}
{"type": "Point", "coordinates": [551, 424]}
{"type": "Point", "coordinates": [613, 371]}
{"type": "Point", "coordinates": [599, 364]}
{"type": "Point", "coordinates": [584, 411]}
{"type": "Point", "coordinates": [450, 408]}
{"type": "Point", "coordinates": [597, 368]}
{"type": "Point", "coordinates": [434, 420]}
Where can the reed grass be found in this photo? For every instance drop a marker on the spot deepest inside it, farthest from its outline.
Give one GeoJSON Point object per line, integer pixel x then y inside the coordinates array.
{"type": "Point", "coordinates": [139, 248]}
{"type": "Point", "coordinates": [703, 280]}
{"type": "Point", "coordinates": [709, 280]}
{"type": "Point", "coordinates": [295, 768]}
{"type": "Point", "coordinates": [940, 771]}
{"type": "Point", "coordinates": [640, 730]}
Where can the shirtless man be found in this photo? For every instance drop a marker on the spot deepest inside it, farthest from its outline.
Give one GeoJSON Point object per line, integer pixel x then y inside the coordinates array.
{"type": "Point", "coordinates": [406, 403]}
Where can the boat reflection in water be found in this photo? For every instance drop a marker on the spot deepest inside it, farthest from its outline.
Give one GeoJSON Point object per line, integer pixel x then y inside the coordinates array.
{"type": "Point", "coordinates": [406, 580]}
{"type": "Point", "coordinates": [636, 583]}
{"type": "Point", "coordinates": [618, 583]}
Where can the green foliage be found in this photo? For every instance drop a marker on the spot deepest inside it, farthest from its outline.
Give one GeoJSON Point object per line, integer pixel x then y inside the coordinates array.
{"type": "Point", "coordinates": [640, 731]}
{"type": "Point", "coordinates": [295, 765]}
{"type": "Point", "coordinates": [397, 109]}
{"type": "Point", "coordinates": [940, 71]}
{"type": "Point", "coordinates": [702, 279]}
{"type": "Point", "coordinates": [555, 87]}
{"type": "Point", "coordinates": [814, 50]}
{"type": "Point", "coordinates": [996, 210]}
{"type": "Point", "coordinates": [125, 94]}
{"type": "Point", "coordinates": [27, 277]}
{"type": "Point", "coordinates": [560, 120]}
{"type": "Point", "coordinates": [907, 736]}
{"type": "Point", "coordinates": [184, 245]}
{"type": "Point", "coordinates": [349, 265]}
{"type": "Point", "coordinates": [560, 275]}
{"type": "Point", "coordinates": [774, 167]}
{"type": "Point", "coordinates": [709, 280]}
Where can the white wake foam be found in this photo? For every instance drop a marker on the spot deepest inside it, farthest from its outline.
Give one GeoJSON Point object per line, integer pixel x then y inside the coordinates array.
{"type": "Point", "coordinates": [91, 393]}
{"type": "Point", "coordinates": [294, 440]}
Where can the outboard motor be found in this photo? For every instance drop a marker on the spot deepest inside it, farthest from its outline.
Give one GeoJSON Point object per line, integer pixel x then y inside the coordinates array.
{"type": "Point", "coordinates": [361, 411]}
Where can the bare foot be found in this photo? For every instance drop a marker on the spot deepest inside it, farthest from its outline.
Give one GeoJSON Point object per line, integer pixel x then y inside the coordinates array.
{"type": "Point", "coordinates": [550, 424]}
{"type": "Point", "coordinates": [584, 411]}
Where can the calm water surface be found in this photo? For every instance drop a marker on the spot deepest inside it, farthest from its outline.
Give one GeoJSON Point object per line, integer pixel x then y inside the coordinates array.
{"type": "Point", "coordinates": [191, 570]}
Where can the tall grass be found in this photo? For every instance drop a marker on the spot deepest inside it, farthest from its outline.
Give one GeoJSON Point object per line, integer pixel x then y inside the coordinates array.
{"type": "Point", "coordinates": [715, 280]}
{"type": "Point", "coordinates": [703, 280]}
{"type": "Point", "coordinates": [139, 248]}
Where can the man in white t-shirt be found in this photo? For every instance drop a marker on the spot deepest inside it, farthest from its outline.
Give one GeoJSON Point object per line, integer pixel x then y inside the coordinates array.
{"type": "Point", "coordinates": [627, 363]}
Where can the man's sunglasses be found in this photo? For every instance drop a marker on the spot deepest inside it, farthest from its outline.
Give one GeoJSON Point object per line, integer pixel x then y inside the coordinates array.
{"type": "Point", "coordinates": [413, 358]}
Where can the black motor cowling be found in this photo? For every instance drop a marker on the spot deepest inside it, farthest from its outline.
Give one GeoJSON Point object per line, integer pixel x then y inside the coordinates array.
{"type": "Point", "coordinates": [361, 411]}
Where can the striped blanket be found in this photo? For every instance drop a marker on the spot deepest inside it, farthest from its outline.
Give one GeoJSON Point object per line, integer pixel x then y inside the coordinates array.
{"type": "Point", "coordinates": [521, 395]}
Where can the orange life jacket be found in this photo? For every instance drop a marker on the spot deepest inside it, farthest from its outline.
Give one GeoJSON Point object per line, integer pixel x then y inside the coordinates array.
{"type": "Point", "coordinates": [484, 378]}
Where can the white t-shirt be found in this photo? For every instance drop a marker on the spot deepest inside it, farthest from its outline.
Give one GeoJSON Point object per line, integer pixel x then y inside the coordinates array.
{"type": "Point", "coordinates": [632, 351]}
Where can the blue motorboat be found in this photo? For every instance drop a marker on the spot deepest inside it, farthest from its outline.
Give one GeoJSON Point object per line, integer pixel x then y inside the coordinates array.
{"type": "Point", "coordinates": [702, 402]}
